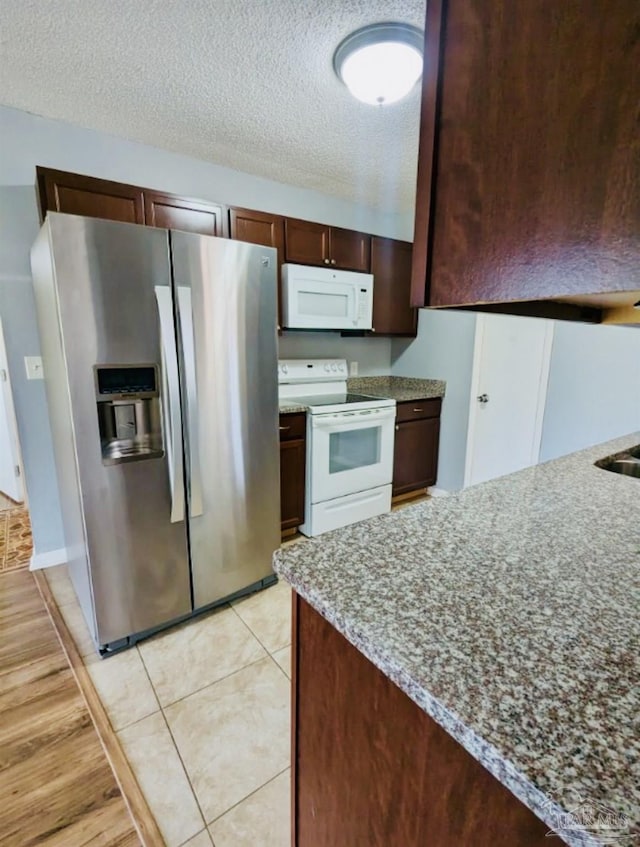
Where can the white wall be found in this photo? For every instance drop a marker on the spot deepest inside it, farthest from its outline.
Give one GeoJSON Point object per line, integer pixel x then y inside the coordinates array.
{"type": "Point", "coordinates": [26, 141]}
{"type": "Point", "coordinates": [443, 349]}
{"type": "Point", "coordinates": [373, 355]}
{"type": "Point", "coordinates": [594, 387]}
{"type": "Point", "coordinates": [593, 393]}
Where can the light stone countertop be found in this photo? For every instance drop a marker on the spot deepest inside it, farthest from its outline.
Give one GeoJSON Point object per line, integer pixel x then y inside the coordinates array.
{"type": "Point", "coordinates": [510, 613]}
{"type": "Point", "coordinates": [288, 407]}
{"type": "Point", "coordinates": [398, 388]}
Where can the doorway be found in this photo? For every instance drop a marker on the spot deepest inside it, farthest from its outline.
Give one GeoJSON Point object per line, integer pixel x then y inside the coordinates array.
{"type": "Point", "coordinates": [508, 393]}
{"type": "Point", "coordinates": [16, 544]}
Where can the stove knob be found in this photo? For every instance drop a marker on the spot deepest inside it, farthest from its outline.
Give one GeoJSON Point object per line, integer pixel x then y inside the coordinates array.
{"type": "Point", "coordinates": [327, 367]}
{"type": "Point", "coordinates": [285, 369]}
{"type": "Point", "coordinates": [334, 367]}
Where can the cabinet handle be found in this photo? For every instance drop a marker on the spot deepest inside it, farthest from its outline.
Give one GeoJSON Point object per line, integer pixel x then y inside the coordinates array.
{"type": "Point", "coordinates": [326, 261]}
{"type": "Point", "coordinates": [333, 261]}
{"type": "Point", "coordinates": [373, 329]}
{"type": "Point", "coordinates": [397, 427]}
{"type": "Point", "coordinates": [417, 410]}
{"type": "Point", "coordinates": [284, 428]}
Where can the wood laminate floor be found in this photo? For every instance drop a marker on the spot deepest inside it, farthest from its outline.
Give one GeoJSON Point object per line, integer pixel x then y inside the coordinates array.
{"type": "Point", "coordinates": [56, 785]}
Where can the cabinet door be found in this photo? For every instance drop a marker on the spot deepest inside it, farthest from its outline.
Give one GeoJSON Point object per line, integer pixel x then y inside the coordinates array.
{"type": "Point", "coordinates": [292, 468]}
{"type": "Point", "coordinates": [76, 194]}
{"type": "Point", "coordinates": [535, 196]}
{"type": "Point", "coordinates": [260, 228]}
{"type": "Point", "coordinates": [171, 212]}
{"type": "Point", "coordinates": [391, 269]}
{"type": "Point", "coordinates": [350, 250]}
{"type": "Point", "coordinates": [306, 243]}
{"type": "Point", "coordinates": [415, 456]}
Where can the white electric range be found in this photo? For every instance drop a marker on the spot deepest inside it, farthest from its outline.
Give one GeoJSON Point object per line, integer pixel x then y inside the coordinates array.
{"type": "Point", "coordinates": [349, 444]}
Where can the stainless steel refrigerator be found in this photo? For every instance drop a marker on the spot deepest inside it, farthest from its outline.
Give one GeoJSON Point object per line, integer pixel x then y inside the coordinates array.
{"type": "Point", "coordinates": [160, 358]}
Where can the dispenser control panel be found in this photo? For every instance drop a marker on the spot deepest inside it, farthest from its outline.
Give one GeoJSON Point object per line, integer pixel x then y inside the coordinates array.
{"type": "Point", "coordinates": [121, 382]}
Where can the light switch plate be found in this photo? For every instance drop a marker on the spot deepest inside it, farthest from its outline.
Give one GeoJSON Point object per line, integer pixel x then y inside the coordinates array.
{"type": "Point", "coordinates": [33, 366]}
{"type": "Point", "coordinates": [353, 369]}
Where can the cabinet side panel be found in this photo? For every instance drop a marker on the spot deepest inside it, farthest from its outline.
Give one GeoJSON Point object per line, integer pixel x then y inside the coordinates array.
{"type": "Point", "coordinates": [370, 767]}
{"type": "Point", "coordinates": [537, 184]}
{"type": "Point", "coordinates": [59, 405]}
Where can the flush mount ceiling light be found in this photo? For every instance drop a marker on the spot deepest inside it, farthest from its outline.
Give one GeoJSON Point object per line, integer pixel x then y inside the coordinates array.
{"type": "Point", "coordinates": [380, 63]}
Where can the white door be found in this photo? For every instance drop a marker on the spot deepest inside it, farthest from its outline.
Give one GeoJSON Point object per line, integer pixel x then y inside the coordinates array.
{"type": "Point", "coordinates": [508, 393]}
{"type": "Point", "coordinates": [10, 464]}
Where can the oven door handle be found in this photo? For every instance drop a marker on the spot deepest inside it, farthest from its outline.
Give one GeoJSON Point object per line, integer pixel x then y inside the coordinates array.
{"type": "Point", "coordinates": [354, 420]}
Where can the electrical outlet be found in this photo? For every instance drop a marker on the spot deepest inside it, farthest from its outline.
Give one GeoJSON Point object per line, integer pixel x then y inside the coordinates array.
{"type": "Point", "coordinates": [33, 367]}
{"type": "Point", "coordinates": [353, 369]}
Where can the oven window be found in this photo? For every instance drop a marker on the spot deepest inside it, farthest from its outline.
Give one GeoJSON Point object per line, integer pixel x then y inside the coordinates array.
{"type": "Point", "coordinates": [356, 448]}
{"type": "Point", "coordinates": [323, 305]}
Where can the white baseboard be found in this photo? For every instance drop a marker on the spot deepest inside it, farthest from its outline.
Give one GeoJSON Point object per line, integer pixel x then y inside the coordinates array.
{"type": "Point", "coordinates": [48, 559]}
{"type": "Point", "coordinates": [437, 492]}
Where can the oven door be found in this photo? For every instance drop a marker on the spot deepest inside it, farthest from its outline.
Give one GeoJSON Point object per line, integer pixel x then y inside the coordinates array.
{"type": "Point", "coordinates": [350, 452]}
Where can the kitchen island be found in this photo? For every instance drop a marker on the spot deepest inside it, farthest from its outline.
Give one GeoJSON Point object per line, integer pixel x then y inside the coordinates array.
{"type": "Point", "coordinates": [466, 670]}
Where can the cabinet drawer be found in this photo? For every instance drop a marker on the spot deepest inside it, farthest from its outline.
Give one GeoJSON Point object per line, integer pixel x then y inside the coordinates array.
{"type": "Point", "coordinates": [293, 426]}
{"type": "Point", "coordinates": [414, 410]}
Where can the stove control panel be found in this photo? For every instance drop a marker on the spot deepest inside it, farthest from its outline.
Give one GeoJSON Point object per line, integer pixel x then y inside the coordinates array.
{"type": "Point", "coordinates": [311, 370]}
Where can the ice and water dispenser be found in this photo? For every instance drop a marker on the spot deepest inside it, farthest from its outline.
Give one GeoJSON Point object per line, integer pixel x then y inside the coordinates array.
{"type": "Point", "coordinates": [128, 402]}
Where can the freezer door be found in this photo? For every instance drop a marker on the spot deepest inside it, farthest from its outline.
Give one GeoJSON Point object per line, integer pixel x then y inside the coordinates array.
{"type": "Point", "coordinates": [113, 283]}
{"type": "Point", "coordinates": [226, 297]}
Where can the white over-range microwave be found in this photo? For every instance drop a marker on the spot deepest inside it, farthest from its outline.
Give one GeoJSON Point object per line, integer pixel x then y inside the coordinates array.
{"type": "Point", "coordinates": [322, 298]}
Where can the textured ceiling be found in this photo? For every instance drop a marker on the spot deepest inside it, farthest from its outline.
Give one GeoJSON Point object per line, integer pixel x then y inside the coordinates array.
{"type": "Point", "coordinates": [244, 83]}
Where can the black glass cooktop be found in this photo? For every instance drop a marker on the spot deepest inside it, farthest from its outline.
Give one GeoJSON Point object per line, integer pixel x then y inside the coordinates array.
{"type": "Point", "coordinates": [331, 399]}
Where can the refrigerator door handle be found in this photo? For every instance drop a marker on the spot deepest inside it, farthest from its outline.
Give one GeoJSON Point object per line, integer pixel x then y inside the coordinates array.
{"type": "Point", "coordinates": [185, 316]}
{"type": "Point", "coordinates": [171, 402]}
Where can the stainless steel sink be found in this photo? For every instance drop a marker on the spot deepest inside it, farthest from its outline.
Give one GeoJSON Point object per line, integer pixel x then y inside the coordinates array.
{"type": "Point", "coordinates": [627, 463]}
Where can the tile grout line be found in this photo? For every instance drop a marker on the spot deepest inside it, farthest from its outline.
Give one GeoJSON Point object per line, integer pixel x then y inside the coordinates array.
{"type": "Point", "coordinates": [184, 767]}
{"type": "Point", "coordinates": [288, 644]}
{"type": "Point", "coordinates": [271, 656]}
{"type": "Point", "coordinates": [173, 741]}
{"type": "Point", "coordinates": [255, 791]}
{"type": "Point", "coordinates": [203, 687]}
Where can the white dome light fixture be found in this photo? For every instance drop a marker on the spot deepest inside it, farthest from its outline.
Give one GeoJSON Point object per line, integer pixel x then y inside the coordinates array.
{"type": "Point", "coordinates": [380, 63]}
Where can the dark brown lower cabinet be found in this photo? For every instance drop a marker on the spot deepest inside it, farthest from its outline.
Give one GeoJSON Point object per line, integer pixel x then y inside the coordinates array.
{"type": "Point", "coordinates": [293, 456]}
{"type": "Point", "coordinates": [371, 768]}
{"type": "Point", "coordinates": [417, 439]}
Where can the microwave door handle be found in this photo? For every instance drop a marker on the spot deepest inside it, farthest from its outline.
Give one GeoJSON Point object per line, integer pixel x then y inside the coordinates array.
{"type": "Point", "coordinates": [185, 317]}
{"type": "Point", "coordinates": [171, 402]}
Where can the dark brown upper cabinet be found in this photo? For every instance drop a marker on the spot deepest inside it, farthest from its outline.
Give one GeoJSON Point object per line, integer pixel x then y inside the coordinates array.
{"type": "Point", "coordinates": [172, 212]}
{"type": "Point", "coordinates": [529, 165]}
{"type": "Point", "coordinates": [349, 249]}
{"type": "Point", "coordinates": [260, 228]}
{"type": "Point", "coordinates": [391, 269]}
{"type": "Point", "coordinates": [308, 243]}
{"type": "Point", "coordinates": [257, 228]}
{"type": "Point", "coordinates": [76, 194]}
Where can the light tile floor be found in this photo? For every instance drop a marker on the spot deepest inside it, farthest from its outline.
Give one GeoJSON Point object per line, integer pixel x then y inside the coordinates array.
{"type": "Point", "coordinates": [203, 715]}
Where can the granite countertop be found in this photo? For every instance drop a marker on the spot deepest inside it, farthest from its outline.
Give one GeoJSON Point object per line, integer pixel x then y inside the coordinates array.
{"type": "Point", "coordinates": [288, 407]}
{"type": "Point", "coordinates": [510, 613]}
{"type": "Point", "coordinates": [397, 388]}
